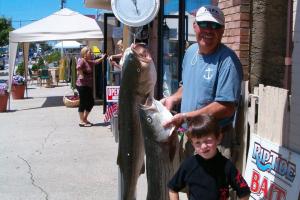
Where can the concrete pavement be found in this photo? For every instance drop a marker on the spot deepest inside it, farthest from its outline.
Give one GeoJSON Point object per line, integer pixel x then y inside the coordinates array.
{"type": "Point", "coordinates": [44, 154]}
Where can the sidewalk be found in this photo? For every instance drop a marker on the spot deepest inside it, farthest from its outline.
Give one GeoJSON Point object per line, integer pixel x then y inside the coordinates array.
{"type": "Point", "coordinates": [44, 154]}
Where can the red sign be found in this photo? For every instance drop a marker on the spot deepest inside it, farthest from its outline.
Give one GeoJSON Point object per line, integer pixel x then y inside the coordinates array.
{"type": "Point", "coordinates": [112, 93]}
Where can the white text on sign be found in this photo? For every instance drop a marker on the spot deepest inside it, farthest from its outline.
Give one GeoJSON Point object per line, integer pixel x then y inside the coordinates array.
{"type": "Point", "coordinates": [112, 93]}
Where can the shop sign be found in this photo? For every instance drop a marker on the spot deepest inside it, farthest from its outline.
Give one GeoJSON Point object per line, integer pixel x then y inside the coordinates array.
{"type": "Point", "coordinates": [272, 171]}
{"type": "Point", "coordinates": [112, 93]}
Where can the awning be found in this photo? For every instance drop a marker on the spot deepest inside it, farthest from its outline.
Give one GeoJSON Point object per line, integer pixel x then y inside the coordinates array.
{"type": "Point", "coordinates": [68, 45]}
{"type": "Point", "coordinates": [101, 4]}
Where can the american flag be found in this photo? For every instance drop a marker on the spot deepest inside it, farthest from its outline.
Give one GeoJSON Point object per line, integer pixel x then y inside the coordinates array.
{"type": "Point", "coordinates": [110, 111]}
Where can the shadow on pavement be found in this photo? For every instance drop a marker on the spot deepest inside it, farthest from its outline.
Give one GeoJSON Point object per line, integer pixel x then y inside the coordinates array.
{"type": "Point", "coordinates": [54, 101]}
{"type": "Point", "coordinates": [104, 124]}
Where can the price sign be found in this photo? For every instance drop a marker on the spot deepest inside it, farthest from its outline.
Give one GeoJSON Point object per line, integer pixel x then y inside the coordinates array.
{"type": "Point", "coordinates": [112, 93]}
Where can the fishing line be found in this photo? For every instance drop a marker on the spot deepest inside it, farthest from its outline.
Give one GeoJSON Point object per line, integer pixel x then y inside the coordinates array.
{"type": "Point", "coordinates": [195, 57]}
{"type": "Point", "coordinates": [135, 31]}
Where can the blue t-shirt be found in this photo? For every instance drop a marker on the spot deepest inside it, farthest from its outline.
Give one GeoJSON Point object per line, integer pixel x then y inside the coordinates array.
{"type": "Point", "coordinates": [209, 78]}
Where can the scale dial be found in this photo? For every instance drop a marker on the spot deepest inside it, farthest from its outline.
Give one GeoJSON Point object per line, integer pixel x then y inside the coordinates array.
{"type": "Point", "coordinates": [135, 13]}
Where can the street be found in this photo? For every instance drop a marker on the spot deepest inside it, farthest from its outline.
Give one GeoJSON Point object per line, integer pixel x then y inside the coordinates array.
{"type": "Point", "coordinates": [44, 154]}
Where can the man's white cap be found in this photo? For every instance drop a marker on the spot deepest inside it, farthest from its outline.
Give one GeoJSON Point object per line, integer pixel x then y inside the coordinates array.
{"type": "Point", "coordinates": [211, 14]}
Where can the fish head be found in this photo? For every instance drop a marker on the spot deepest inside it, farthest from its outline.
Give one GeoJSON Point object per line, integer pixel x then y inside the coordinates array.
{"type": "Point", "coordinates": [152, 118]}
{"type": "Point", "coordinates": [140, 70]}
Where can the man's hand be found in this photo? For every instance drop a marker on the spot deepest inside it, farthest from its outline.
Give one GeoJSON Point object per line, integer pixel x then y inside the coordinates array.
{"type": "Point", "coordinates": [171, 101]}
{"type": "Point", "coordinates": [173, 195]}
{"type": "Point", "coordinates": [176, 121]}
{"type": "Point", "coordinates": [168, 102]}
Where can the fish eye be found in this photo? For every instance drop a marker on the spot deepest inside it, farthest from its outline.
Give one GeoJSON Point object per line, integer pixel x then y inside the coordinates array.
{"type": "Point", "coordinates": [138, 70]}
{"type": "Point", "coordinates": [149, 120]}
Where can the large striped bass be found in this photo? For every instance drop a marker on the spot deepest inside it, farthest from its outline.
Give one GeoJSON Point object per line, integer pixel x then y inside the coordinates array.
{"type": "Point", "coordinates": [161, 147]}
{"type": "Point", "coordinates": [137, 84]}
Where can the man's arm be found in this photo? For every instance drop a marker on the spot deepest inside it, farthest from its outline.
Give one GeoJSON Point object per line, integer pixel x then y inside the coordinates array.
{"type": "Point", "coordinates": [173, 195]}
{"type": "Point", "coordinates": [174, 99]}
{"type": "Point", "coordinates": [219, 110]}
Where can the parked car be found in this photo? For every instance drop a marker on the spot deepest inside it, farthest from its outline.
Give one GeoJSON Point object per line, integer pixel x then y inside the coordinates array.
{"type": "Point", "coordinates": [2, 63]}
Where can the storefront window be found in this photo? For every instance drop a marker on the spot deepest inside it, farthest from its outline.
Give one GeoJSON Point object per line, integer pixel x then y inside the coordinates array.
{"type": "Point", "coordinates": [170, 41]}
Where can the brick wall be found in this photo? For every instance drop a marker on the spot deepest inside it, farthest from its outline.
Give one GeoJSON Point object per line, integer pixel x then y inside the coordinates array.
{"type": "Point", "coordinates": [237, 29]}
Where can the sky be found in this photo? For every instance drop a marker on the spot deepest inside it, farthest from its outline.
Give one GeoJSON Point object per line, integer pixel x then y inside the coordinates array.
{"type": "Point", "coordinates": [23, 12]}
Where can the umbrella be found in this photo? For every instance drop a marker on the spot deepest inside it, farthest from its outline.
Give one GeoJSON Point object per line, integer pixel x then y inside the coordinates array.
{"type": "Point", "coordinates": [96, 50]}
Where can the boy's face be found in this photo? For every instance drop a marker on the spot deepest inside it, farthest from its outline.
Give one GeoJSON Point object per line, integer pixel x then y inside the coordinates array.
{"type": "Point", "coordinates": [206, 146]}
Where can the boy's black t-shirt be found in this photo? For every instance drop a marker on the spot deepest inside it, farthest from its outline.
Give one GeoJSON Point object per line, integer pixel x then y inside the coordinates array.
{"type": "Point", "coordinates": [209, 179]}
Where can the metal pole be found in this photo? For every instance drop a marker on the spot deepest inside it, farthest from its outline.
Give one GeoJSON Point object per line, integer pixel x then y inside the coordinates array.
{"type": "Point", "coordinates": [289, 44]}
{"type": "Point", "coordinates": [105, 62]}
{"type": "Point", "coordinates": [160, 50]}
{"type": "Point", "coordinates": [62, 2]}
{"type": "Point", "coordinates": [106, 15]}
{"type": "Point", "coordinates": [181, 37]}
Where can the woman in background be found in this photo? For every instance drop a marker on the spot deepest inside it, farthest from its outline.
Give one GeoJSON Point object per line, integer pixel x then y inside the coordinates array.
{"type": "Point", "coordinates": [115, 60]}
{"type": "Point", "coordinates": [84, 84]}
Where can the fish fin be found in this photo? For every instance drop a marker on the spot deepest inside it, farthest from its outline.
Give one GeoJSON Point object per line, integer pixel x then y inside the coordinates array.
{"type": "Point", "coordinates": [143, 169]}
{"type": "Point", "coordinates": [149, 101]}
{"type": "Point", "coordinates": [148, 105]}
{"type": "Point", "coordinates": [118, 160]}
{"type": "Point", "coordinates": [173, 145]}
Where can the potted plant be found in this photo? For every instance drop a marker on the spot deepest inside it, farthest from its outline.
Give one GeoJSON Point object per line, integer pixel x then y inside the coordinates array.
{"type": "Point", "coordinates": [3, 96]}
{"type": "Point", "coordinates": [20, 69]}
{"type": "Point", "coordinates": [35, 68]}
{"type": "Point", "coordinates": [18, 83]}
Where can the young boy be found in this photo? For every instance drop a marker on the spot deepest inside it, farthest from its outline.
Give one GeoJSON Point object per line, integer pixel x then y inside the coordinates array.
{"type": "Point", "coordinates": [207, 174]}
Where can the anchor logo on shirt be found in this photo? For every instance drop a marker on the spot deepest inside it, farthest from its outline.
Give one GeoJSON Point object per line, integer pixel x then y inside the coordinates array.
{"type": "Point", "coordinates": [208, 74]}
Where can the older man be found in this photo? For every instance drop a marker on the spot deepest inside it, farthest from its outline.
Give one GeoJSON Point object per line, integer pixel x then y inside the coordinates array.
{"type": "Point", "coordinates": [211, 76]}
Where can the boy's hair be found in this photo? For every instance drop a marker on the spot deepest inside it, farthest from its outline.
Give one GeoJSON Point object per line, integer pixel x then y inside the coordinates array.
{"type": "Point", "coordinates": [203, 125]}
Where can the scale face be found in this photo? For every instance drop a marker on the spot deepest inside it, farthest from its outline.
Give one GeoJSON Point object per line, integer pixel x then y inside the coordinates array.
{"type": "Point", "coordinates": [135, 13]}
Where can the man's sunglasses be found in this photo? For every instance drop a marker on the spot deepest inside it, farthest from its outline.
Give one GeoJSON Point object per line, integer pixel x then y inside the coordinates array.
{"type": "Point", "coordinates": [212, 25]}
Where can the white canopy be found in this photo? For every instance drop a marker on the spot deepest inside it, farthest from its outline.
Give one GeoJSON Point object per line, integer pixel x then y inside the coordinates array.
{"type": "Point", "coordinates": [62, 25]}
{"type": "Point", "coordinates": [67, 45]}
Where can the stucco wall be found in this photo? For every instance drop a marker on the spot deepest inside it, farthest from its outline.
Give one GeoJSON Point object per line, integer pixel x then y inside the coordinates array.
{"type": "Point", "coordinates": [268, 46]}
